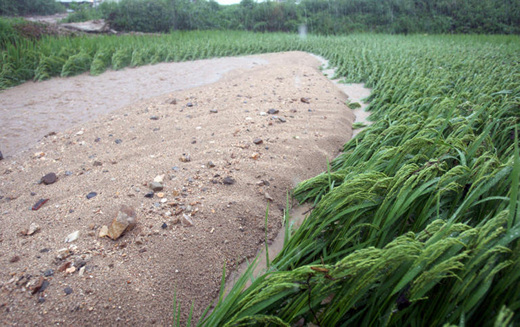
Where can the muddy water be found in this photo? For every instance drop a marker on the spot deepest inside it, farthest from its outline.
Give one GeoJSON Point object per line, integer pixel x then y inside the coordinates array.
{"type": "Point", "coordinates": [32, 110]}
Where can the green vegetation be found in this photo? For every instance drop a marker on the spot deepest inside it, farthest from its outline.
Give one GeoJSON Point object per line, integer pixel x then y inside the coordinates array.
{"type": "Point", "coordinates": [417, 222]}
{"type": "Point", "coordinates": [319, 16]}
{"type": "Point", "coordinates": [29, 7]}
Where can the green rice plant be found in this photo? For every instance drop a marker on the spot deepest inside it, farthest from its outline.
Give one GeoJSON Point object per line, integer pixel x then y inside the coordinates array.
{"type": "Point", "coordinates": [76, 64]}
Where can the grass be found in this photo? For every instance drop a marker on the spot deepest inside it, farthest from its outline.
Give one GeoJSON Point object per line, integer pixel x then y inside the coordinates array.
{"type": "Point", "coordinates": [416, 222]}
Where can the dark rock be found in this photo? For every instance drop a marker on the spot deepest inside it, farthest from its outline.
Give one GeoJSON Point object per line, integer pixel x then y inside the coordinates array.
{"type": "Point", "coordinates": [213, 111]}
{"type": "Point", "coordinates": [119, 141]}
{"type": "Point", "coordinates": [273, 111]}
{"type": "Point", "coordinates": [41, 299]}
{"type": "Point", "coordinates": [149, 195]}
{"type": "Point", "coordinates": [45, 250]}
{"type": "Point", "coordinates": [189, 104]}
{"type": "Point", "coordinates": [154, 118]}
{"type": "Point", "coordinates": [33, 193]}
{"type": "Point", "coordinates": [14, 259]}
{"type": "Point", "coordinates": [1, 156]}
{"type": "Point", "coordinates": [156, 186]}
{"type": "Point", "coordinates": [40, 286]}
{"type": "Point", "coordinates": [164, 226]}
{"type": "Point", "coordinates": [97, 164]}
{"type": "Point", "coordinates": [68, 290]}
{"type": "Point", "coordinates": [258, 141]}
{"type": "Point", "coordinates": [91, 195]}
{"type": "Point", "coordinates": [211, 164]}
{"type": "Point", "coordinates": [228, 181]}
{"type": "Point", "coordinates": [283, 120]}
{"type": "Point", "coordinates": [305, 100]}
{"type": "Point", "coordinates": [97, 139]}
{"type": "Point", "coordinates": [39, 204]}
{"type": "Point", "coordinates": [48, 273]}
{"type": "Point", "coordinates": [50, 178]}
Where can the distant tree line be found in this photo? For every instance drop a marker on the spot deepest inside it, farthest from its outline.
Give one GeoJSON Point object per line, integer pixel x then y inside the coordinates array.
{"type": "Point", "coordinates": [319, 16]}
{"type": "Point", "coordinates": [29, 7]}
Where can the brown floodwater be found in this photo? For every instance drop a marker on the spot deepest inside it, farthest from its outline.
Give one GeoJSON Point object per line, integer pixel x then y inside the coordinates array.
{"type": "Point", "coordinates": [32, 110]}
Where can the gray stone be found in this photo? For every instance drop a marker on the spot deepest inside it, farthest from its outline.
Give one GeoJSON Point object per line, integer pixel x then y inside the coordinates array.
{"type": "Point", "coordinates": [228, 181]}
{"type": "Point", "coordinates": [50, 178]}
{"type": "Point", "coordinates": [273, 111]}
{"type": "Point", "coordinates": [156, 186]}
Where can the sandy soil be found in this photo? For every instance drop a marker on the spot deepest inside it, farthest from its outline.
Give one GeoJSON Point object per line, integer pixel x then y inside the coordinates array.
{"type": "Point", "coordinates": [133, 280]}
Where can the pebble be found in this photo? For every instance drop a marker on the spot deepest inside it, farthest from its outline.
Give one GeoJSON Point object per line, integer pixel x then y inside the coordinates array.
{"type": "Point", "coordinates": [305, 100]}
{"type": "Point", "coordinates": [48, 273]}
{"type": "Point", "coordinates": [72, 237]}
{"type": "Point", "coordinates": [126, 220]}
{"type": "Point", "coordinates": [164, 226]}
{"type": "Point", "coordinates": [33, 228]}
{"type": "Point", "coordinates": [258, 141]}
{"type": "Point", "coordinates": [156, 186]}
{"type": "Point", "coordinates": [229, 181]}
{"type": "Point", "coordinates": [189, 104]}
{"type": "Point", "coordinates": [68, 173]}
{"type": "Point", "coordinates": [186, 220]}
{"type": "Point", "coordinates": [283, 120]}
{"type": "Point", "coordinates": [50, 178]}
{"type": "Point", "coordinates": [118, 141]}
{"type": "Point", "coordinates": [211, 164]}
{"type": "Point", "coordinates": [39, 204]}
{"type": "Point", "coordinates": [159, 178]}
{"type": "Point", "coordinates": [14, 259]}
{"type": "Point", "coordinates": [154, 118]}
{"type": "Point", "coordinates": [213, 111]}
{"type": "Point", "coordinates": [149, 195]}
{"type": "Point", "coordinates": [262, 113]}
{"type": "Point", "coordinates": [103, 231]}
{"type": "Point", "coordinates": [273, 111]}
{"type": "Point", "coordinates": [97, 164]}
{"type": "Point", "coordinates": [185, 158]}
{"type": "Point", "coordinates": [91, 195]}
{"type": "Point", "coordinates": [1, 156]}
{"type": "Point", "coordinates": [68, 290]}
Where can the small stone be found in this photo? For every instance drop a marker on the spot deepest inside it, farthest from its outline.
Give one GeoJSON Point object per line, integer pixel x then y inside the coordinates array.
{"type": "Point", "coordinates": [70, 270]}
{"type": "Point", "coordinates": [229, 181]}
{"type": "Point", "coordinates": [186, 220]}
{"type": "Point", "coordinates": [185, 158]}
{"type": "Point", "coordinates": [258, 141]}
{"type": "Point", "coordinates": [305, 100]}
{"type": "Point", "coordinates": [33, 228]}
{"type": "Point", "coordinates": [268, 197]}
{"type": "Point", "coordinates": [125, 220]}
{"type": "Point", "coordinates": [103, 231]}
{"type": "Point", "coordinates": [164, 226]}
{"type": "Point", "coordinates": [118, 141]}
{"type": "Point", "coordinates": [283, 120]}
{"type": "Point", "coordinates": [213, 111]}
{"type": "Point", "coordinates": [211, 164]}
{"type": "Point", "coordinates": [80, 133]}
{"type": "Point", "coordinates": [1, 156]}
{"type": "Point", "coordinates": [65, 266]}
{"type": "Point", "coordinates": [81, 271]}
{"type": "Point", "coordinates": [91, 195]}
{"type": "Point", "coordinates": [39, 204]}
{"type": "Point", "coordinates": [156, 187]}
{"type": "Point", "coordinates": [68, 290]}
{"type": "Point", "coordinates": [273, 111]}
{"type": "Point", "coordinates": [14, 259]}
{"type": "Point", "coordinates": [40, 286]}
{"type": "Point", "coordinates": [72, 237]}
{"type": "Point", "coordinates": [154, 118]}
{"type": "Point", "coordinates": [255, 156]}
{"type": "Point", "coordinates": [159, 178]}
{"type": "Point", "coordinates": [48, 273]}
{"type": "Point", "coordinates": [149, 195]}
{"type": "Point", "coordinates": [263, 113]}
{"type": "Point", "coordinates": [50, 178]}
{"type": "Point", "coordinates": [174, 101]}
{"type": "Point", "coordinates": [160, 195]}
{"type": "Point", "coordinates": [189, 104]}
{"type": "Point", "coordinates": [97, 164]}
{"type": "Point", "coordinates": [68, 173]}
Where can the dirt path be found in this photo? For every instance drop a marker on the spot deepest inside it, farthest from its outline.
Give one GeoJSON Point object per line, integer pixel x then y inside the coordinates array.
{"type": "Point", "coordinates": [223, 157]}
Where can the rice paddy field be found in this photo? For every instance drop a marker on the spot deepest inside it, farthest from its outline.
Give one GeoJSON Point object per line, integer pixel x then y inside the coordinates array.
{"type": "Point", "coordinates": [416, 223]}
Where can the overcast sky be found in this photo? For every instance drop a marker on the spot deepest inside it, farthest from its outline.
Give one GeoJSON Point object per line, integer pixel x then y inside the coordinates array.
{"type": "Point", "coordinates": [227, 2]}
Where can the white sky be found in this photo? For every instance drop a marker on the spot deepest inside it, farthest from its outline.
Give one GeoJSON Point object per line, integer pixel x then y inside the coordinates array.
{"type": "Point", "coordinates": [227, 2]}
